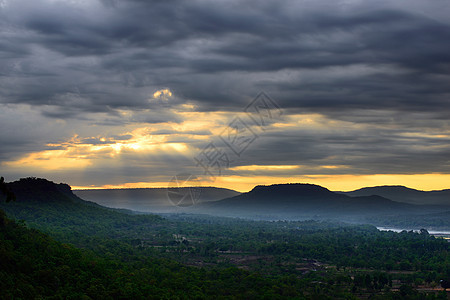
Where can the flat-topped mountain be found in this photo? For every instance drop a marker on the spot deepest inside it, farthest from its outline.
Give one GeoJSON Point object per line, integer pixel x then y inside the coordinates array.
{"type": "Point", "coordinates": [302, 200]}
{"type": "Point", "coordinates": [39, 190]}
{"type": "Point", "coordinates": [406, 195]}
{"type": "Point", "coordinates": [45, 204]}
{"type": "Point", "coordinates": [40, 200]}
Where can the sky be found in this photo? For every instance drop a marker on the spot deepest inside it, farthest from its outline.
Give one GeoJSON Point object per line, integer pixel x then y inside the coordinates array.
{"type": "Point", "coordinates": [231, 93]}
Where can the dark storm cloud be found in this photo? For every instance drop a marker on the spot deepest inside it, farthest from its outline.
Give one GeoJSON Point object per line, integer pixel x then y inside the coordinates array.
{"type": "Point", "coordinates": [392, 143]}
{"type": "Point", "coordinates": [196, 49]}
{"type": "Point", "coordinates": [123, 137]}
{"type": "Point", "coordinates": [23, 131]}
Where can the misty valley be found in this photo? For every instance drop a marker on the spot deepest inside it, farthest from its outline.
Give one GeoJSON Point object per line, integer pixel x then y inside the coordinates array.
{"type": "Point", "coordinates": [410, 209]}
{"type": "Point", "coordinates": [60, 244]}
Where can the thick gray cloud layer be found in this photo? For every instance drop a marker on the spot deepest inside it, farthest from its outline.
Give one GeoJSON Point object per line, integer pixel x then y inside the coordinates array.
{"type": "Point", "coordinates": [361, 62]}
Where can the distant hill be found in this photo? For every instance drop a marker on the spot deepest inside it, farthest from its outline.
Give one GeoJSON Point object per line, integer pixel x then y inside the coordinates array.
{"type": "Point", "coordinates": [304, 200]}
{"type": "Point", "coordinates": [406, 195]}
{"type": "Point", "coordinates": [46, 206]}
{"type": "Point", "coordinates": [151, 199]}
{"type": "Point", "coordinates": [39, 190]}
{"type": "Point", "coordinates": [49, 206]}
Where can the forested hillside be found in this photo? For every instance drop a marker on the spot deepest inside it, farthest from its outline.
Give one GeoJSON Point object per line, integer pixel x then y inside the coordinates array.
{"type": "Point", "coordinates": [114, 254]}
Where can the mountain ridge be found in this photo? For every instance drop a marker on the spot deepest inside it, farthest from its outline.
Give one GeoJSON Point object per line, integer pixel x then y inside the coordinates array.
{"type": "Point", "coordinates": [304, 199]}
{"type": "Point", "coordinates": [404, 194]}
{"type": "Point", "coordinates": [42, 200]}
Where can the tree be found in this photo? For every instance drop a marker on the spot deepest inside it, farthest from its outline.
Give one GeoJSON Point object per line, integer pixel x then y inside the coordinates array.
{"type": "Point", "coordinates": [424, 231]}
{"type": "Point", "coordinates": [6, 191]}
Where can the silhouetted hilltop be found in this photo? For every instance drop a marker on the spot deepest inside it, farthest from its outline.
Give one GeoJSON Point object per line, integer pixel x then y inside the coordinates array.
{"type": "Point", "coordinates": [283, 195]}
{"type": "Point", "coordinates": [46, 204]}
{"type": "Point", "coordinates": [406, 195]}
{"type": "Point", "coordinates": [291, 190]}
{"type": "Point", "coordinates": [39, 190]}
{"type": "Point", "coordinates": [304, 199]}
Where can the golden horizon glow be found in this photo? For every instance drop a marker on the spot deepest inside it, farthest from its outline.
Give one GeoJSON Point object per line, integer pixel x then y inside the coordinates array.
{"type": "Point", "coordinates": [51, 160]}
{"type": "Point", "coordinates": [79, 153]}
{"type": "Point", "coordinates": [286, 167]}
{"type": "Point", "coordinates": [424, 182]}
{"type": "Point", "coordinates": [76, 154]}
